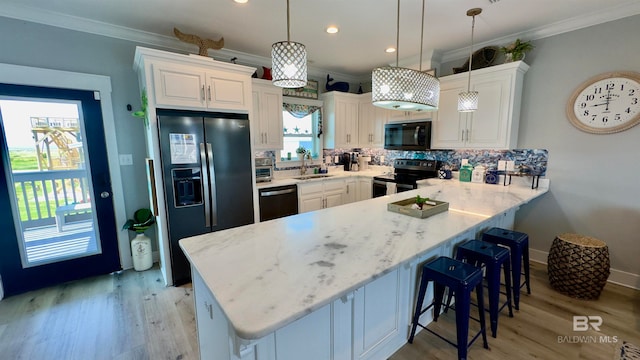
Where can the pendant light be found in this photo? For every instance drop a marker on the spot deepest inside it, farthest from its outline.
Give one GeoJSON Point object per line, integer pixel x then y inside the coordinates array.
{"type": "Point", "coordinates": [288, 62]}
{"type": "Point", "coordinates": [468, 100]}
{"type": "Point", "coordinates": [398, 88]}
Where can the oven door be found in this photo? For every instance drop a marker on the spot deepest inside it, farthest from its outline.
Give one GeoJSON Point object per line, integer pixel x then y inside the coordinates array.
{"type": "Point", "coordinates": [379, 188]}
{"type": "Point", "coordinates": [404, 187]}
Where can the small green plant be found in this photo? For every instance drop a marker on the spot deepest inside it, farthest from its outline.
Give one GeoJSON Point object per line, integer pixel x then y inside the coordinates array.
{"type": "Point", "coordinates": [142, 114]}
{"type": "Point", "coordinates": [420, 201]}
{"type": "Point", "coordinates": [517, 49]}
{"type": "Point", "coordinates": [142, 220]}
{"type": "Point", "coordinates": [301, 150]}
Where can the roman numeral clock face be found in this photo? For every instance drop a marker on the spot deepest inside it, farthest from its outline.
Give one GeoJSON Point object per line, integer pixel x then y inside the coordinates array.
{"type": "Point", "coordinates": [607, 103]}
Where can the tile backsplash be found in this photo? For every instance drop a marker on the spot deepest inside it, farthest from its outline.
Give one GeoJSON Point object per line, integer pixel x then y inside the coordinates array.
{"type": "Point", "coordinates": [533, 159]}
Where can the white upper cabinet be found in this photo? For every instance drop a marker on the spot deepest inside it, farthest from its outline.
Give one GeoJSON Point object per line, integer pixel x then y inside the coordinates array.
{"type": "Point", "coordinates": [179, 81]}
{"type": "Point", "coordinates": [351, 120]}
{"type": "Point", "coordinates": [495, 124]}
{"type": "Point", "coordinates": [371, 123]}
{"type": "Point", "coordinates": [340, 119]}
{"type": "Point", "coordinates": [266, 123]}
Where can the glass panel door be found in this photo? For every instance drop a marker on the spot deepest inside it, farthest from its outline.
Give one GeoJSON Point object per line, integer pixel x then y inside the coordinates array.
{"type": "Point", "coordinates": [57, 214]}
{"type": "Point", "coordinates": [51, 184]}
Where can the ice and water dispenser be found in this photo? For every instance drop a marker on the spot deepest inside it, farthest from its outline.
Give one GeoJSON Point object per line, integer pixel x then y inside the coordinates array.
{"type": "Point", "coordinates": [187, 187]}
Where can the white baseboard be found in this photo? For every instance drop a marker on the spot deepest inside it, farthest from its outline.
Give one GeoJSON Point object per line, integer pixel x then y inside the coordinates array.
{"type": "Point", "coordinates": [616, 277]}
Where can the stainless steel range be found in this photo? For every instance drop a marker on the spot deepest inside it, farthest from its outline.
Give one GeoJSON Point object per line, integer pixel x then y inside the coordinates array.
{"type": "Point", "coordinates": [406, 173]}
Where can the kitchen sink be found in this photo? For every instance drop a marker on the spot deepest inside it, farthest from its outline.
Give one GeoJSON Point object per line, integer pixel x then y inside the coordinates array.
{"type": "Point", "coordinates": [312, 176]}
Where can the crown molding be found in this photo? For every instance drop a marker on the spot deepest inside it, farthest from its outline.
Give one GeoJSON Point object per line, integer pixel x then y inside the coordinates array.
{"type": "Point", "coordinates": [75, 23]}
{"type": "Point", "coordinates": [628, 9]}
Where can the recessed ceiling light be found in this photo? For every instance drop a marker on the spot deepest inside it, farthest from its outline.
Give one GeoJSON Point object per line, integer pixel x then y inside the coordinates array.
{"type": "Point", "coordinates": [241, 1]}
{"type": "Point", "coordinates": [390, 50]}
{"type": "Point", "coordinates": [332, 29]}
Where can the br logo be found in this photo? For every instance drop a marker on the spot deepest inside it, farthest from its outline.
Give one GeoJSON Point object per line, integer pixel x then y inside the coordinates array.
{"type": "Point", "coordinates": [582, 323]}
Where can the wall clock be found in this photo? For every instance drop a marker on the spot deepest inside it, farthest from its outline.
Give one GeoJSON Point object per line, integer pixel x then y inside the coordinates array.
{"type": "Point", "coordinates": [607, 103]}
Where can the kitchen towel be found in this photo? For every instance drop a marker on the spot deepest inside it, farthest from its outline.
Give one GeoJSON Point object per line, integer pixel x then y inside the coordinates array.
{"type": "Point", "coordinates": [391, 188]}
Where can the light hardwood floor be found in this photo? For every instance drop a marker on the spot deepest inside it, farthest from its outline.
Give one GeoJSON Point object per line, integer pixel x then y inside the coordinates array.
{"type": "Point", "coordinates": [133, 316]}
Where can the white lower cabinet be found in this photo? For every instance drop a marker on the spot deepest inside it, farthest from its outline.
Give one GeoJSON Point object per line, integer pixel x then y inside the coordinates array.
{"type": "Point", "coordinates": [351, 190]}
{"type": "Point", "coordinates": [365, 189]}
{"type": "Point", "coordinates": [213, 334]}
{"type": "Point", "coordinates": [381, 315]}
{"type": "Point", "coordinates": [308, 338]}
{"type": "Point", "coordinates": [320, 195]}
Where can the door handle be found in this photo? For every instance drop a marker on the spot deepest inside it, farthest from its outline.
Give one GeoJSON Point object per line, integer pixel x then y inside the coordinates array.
{"type": "Point", "coordinates": [104, 194]}
{"type": "Point", "coordinates": [202, 92]}
{"type": "Point", "coordinates": [212, 181]}
{"type": "Point", "coordinates": [415, 135]}
{"type": "Point", "coordinates": [209, 91]}
{"type": "Point", "coordinates": [205, 186]}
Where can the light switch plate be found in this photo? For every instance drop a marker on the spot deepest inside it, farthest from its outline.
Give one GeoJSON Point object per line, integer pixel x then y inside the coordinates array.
{"type": "Point", "coordinates": [126, 159]}
{"type": "Point", "coordinates": [511, 165]}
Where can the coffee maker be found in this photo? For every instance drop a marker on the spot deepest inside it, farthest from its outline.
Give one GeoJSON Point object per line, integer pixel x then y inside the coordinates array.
{"type": "Point", "coordinates": [350, 161]}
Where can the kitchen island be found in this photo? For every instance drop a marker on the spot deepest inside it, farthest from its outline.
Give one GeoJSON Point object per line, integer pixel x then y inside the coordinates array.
{"type": "Point", "coordinates": [337, 283]}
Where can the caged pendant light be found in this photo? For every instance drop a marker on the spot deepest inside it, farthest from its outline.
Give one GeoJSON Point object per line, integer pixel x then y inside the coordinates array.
{"type": "Point", "coordinates": [288, 62]}
{"type": "Point", "coordinates": [398, 88]}
{"type": "Point", "coordinates": [468, 100]}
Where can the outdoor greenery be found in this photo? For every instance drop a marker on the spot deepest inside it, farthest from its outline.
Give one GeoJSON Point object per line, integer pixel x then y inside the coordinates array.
{"type": "Point", "coordinates": [26, 160]}
{"type": "Point", "coordinates": [23, 160]}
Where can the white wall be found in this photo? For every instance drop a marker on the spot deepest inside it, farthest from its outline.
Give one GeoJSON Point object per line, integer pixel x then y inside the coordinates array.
{"type": "Point", "coordinates": [595, 179]}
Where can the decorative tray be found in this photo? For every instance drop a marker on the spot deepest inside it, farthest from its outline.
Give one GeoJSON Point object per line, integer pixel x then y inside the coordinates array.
{"type": "Point", "coordinates": [405, 207]}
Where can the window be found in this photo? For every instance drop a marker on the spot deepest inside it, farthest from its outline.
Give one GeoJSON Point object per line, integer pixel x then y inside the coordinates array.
{"type": "Point", "coordinates": [301, 124]}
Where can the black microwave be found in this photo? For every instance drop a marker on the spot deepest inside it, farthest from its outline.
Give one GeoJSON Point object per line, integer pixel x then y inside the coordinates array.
{"type": "Point", "coordinates": [408, 136]}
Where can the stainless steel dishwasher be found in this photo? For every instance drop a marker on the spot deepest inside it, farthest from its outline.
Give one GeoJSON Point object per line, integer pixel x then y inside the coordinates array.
{"type": "Point", "coordinates": [278, 201]}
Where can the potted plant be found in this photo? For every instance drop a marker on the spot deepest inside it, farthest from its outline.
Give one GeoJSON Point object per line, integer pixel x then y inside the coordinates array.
{"type": "Point", "coordinates": [141, 244]}
{"type": "Point", "coordinates": [301, 151]}
{"type": "Point", "coordinates": [420, 201]}
{"type": "Point", "coordinates": [516, 50]}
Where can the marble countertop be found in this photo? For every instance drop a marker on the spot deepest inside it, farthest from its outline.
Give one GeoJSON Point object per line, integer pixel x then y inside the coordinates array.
{"type": "Point", "coordinates": [269, 274]}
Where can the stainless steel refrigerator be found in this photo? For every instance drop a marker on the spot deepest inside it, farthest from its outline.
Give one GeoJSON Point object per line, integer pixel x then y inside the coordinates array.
{"type": "Point", "coordinates": [206, 165]}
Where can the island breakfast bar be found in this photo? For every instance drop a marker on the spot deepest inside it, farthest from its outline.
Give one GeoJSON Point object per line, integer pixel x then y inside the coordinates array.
{"type": "Point", "coordinates": [337, 283]}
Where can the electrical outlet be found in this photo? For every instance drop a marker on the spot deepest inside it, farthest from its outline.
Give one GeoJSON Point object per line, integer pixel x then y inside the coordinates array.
{"type": "Point", "coordinates": [502, 165]}
{"type": "Point", "coordinates": [126, 160]}
{"type": "Point", "coordinates": [511, 165]}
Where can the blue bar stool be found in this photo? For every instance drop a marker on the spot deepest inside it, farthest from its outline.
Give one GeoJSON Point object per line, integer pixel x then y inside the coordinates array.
{"type": "Point", "coordinates": [460, 278]}
{"type": "Point", "coordinates": [518, 243]}
{"type": "Point", "coordinates": [492, 257]}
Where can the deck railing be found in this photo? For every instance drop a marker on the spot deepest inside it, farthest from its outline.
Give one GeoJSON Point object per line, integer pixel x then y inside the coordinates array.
{"type": "Point", "coordinates": [40, 193]}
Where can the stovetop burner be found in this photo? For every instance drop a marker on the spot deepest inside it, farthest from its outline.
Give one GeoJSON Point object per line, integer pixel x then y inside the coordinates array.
{"type": "Point", "coordinates": [408, 171]}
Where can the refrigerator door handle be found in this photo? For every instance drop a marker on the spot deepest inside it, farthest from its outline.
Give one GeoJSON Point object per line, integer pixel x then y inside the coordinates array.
{"type": "Point", "coordinates": [212, 182]}
{"type": "Point", "coordinates": [205, 186]}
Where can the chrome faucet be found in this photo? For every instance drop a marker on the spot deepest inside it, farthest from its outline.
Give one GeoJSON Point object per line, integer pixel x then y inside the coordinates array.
{"type": "Point", "coordinates": [303, 167]}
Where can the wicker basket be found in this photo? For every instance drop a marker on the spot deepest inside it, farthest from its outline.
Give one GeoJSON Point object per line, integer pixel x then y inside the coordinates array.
{"type": "Point", "coordinates": [578, 265]}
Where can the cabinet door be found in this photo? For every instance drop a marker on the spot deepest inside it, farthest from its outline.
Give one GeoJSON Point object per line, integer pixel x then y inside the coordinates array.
{"type": "Point", "coordinates": [213, 334]}
{"type": "Point", "coordinates": [179, 86]}
{"type": "Point", "coordinates": [227, 91]}
{"type": "Point", "coordinates": [449, 125]}
{"type": "Point", "coordinates": [308, 338]}
{"type": "Point", "coordinates": [346, 123]}
{"type": "Point", "coordinates": [267, 109]}
{"type": "Point", "coordinates": [488, 125]}
{"type": "Point", "coordinates": [334, 192]}
{"type": "Point", "coordinates": [380, 315]}
{"type": "Point", "coordinates": [365, 123]}
{"type": "Point", "coordinates": [310, 197]}
{"type": "Point", "coordinates": [365, 190]}
{"type": "Point", "coordinates": [351, 191]}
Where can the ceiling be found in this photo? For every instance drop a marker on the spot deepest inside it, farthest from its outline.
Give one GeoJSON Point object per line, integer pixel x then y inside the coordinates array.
{"type": "Point", "coordinates": [367, 27]}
